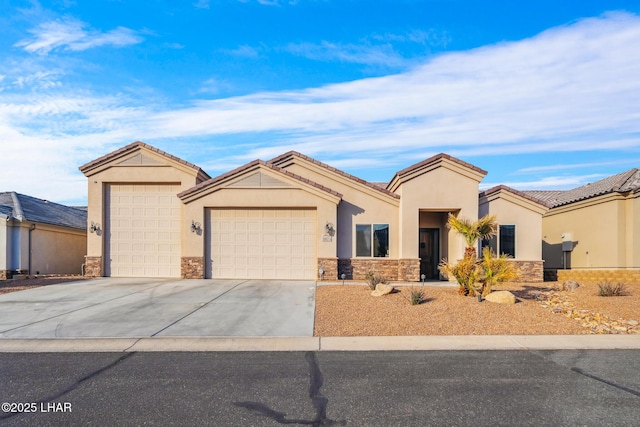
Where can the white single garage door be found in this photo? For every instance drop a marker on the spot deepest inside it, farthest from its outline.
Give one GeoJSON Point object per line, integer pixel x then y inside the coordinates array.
{"type": "Point", "coordinates": [142, 237]}
{"type": "Point", "coordinates": [262, 244]}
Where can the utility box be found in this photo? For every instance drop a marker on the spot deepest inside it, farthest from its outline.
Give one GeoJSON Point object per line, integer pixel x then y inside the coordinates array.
{"type": "Point", "coordinates": [567, 242]}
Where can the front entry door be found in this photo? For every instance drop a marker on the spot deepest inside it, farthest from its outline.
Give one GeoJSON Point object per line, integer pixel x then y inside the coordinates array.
{"type": "Point", "coordinates": [429, 252]}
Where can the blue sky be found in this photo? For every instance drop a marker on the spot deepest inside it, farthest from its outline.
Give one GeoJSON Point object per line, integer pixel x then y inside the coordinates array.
{"type": "Point", "coordinates": [543, 95]}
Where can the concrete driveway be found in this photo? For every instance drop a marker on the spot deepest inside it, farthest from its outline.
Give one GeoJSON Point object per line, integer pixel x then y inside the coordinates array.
{"type": "Point", "coordinates": [110, 307]}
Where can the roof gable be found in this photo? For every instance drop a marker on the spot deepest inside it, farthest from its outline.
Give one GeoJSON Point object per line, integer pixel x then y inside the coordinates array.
{"type": "Point", "coordinates": [257, 174]}
{"type": "Point", "coordinates": [292, 155]}
{"type": "Point", "coordinates": [439, 160]}
{"type": "Point", "coordinates": [140, 154]}
{"type": "Point", "coordinates": [520, 198]}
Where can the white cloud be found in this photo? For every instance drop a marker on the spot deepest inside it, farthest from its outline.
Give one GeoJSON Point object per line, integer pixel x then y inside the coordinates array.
{"type": "Point", "coordinates": [244, 51]}
{"type": "Point", "coordinates": [72, 34]}
{"type": "Point", "coordinates": [571, 88]}
{"type": "Point", "coordinates": [536, 169]}
{"type": "Point", "coordinates": [552, 182]}
{"type": "Point", "coordinates": [352, 53]}
{"type": "Point", "coordinates": [201, 4]}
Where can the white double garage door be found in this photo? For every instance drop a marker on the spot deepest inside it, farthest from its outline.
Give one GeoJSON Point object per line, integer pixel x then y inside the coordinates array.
{"type": "Point", "coordinates": [143, 234]}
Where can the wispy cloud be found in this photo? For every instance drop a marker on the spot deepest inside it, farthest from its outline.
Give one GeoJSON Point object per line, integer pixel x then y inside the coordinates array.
{"type": "Point", "coordinates": [352, 53]}
{"type": "Point", "coordinates": [552, 182]}
{"type": "Point", "coordinates": [568, 89]}
{"type": "Point", "coordinates": [201, 4]}
{"type": "Point", "coordinates": [72, 34]}
{"type": "Point", "coordinates": [244, 51]}
{"type": "Point", "coordinates": [431, 37]}
{"type": "Point", "coordinates": [536, 169]}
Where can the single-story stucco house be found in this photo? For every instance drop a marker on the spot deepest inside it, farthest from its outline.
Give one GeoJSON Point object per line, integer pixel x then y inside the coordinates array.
{"type": "Point", "coordinates": [292, 217]}
{"type": "Point", "coordinates": [40, 237]}
{"type": "Point", "coordinates": [592, 232]}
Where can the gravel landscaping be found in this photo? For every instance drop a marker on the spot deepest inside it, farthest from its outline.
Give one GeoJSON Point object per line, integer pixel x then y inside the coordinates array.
{"type": "Point", "coordinates": [350, 310]}
{"type": "Point", "coordinates": [542, 309]}
{"type": "Point", "coordinates": [15, 285]}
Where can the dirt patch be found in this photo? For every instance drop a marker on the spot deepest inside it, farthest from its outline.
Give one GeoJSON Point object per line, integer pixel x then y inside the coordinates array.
{"type": "Point", "coordinates": [7, 286]}
{"type": "Point", "coordinates": [352, 311]}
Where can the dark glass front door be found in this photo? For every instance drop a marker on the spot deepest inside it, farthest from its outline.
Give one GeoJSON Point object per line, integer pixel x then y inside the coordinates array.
{"type": "Point", "coordinates": [429, 252]}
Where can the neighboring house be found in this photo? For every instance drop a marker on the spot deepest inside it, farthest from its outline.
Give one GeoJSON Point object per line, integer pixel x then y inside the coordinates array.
{"type": "Point", "coordinates": [593, 232]}
{"type": "Point", "coordinates": [292, 217]}
{"type": "Point", "coordinates": [40, 237]}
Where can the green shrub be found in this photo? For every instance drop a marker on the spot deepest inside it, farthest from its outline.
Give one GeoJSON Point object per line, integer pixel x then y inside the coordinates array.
{"type": "Point", "coordinates": [607, 289]}
{"type": "Point", "coordinates": [373, 279]}
{"type": "Point", "coordinates": [416, 296]}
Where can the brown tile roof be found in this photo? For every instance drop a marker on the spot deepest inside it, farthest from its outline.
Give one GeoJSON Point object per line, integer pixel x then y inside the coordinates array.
{"type": "Point", "coordinates": [622, 183]}
{"type": "Point", "coordinates": [249, 165]}
{"type": "Point", "coordinates": [332, 169]}
{"type": "Point", "coordinates": [527, 196]}
{"type": "Point", "coordinates": [432, 159]}
{"type": "Point", "coordinates": [137, 144]}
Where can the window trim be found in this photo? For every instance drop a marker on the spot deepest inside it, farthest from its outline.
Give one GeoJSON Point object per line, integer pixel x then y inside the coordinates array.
{"type": "Point", "coordinates": [371, 226]}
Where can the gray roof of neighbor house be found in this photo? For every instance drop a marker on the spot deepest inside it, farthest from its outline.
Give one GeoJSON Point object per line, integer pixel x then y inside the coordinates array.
{"type": "Point", "coordinates": [620, 183]}
{"type": "Point", "coordinates": [26, 208]}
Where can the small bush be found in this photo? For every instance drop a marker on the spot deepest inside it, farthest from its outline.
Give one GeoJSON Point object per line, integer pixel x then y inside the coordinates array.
{"type": "Point", "coordinates": [373, 279]}
{"type": "Point", "coordinates": [416, 296]}
{"type": "Point", "coordinates": [607, 289]}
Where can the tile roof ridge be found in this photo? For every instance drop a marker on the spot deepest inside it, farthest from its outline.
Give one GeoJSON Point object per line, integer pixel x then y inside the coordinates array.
{"type": "Point", "coordinates": [137, 144]}
{"type": "Point", "coordinates": [522, 194]}
{"type": "Point", "coordinates": [439, 156]}
{"type": "Point", "coordinates": [303, 179]}
{"type": "Point", "coordinates": [241, 168]}
{"type": "Point", "coordinates": [627, 176]}
{"type": "Point", "coordinates": [335, 170]}
{"type": "Point", "coordinates": [18, 212]}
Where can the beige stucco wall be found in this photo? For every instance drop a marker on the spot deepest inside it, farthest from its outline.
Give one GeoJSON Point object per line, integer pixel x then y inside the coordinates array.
{"type": "Point", "coordinates": [604, 230]}
{"type": "Point", "coordinates": [5, 249]}
{"type": "Point", "coordinates": [54, 250]}
{"type": "Point", "coordinates": [439, 190]}
{"type": "Point", "coordinates": [511, 209]}
{"type": "Point", "coordinates": [194, 244]}
{"type": "Point", "coordinates": [136, 174]}
{"type": "Point", "coordinates": [360, 205]}
{"type": "Point", "coordinates": [57, 250]}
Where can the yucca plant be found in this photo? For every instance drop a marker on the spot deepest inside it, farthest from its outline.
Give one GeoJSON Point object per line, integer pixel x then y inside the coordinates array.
{"type": "Point", "coordinates": [495, 270]}
{"type": "Point", "coordinates": [484, 228]}
{"type": "Point", "coordinates": [607, 289]}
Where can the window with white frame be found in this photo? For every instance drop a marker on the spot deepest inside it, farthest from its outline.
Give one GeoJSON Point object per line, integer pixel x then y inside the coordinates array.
{"type": "Point", "coordinates": [372, 240]}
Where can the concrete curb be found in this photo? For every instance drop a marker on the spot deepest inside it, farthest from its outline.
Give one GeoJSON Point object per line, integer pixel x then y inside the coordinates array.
{"type": "Point", "coordinates": [425, 343]}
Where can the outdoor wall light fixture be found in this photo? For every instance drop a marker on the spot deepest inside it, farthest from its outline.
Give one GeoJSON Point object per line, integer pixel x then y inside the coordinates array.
{"type": "Point", "coordinates": [196, 227]}
{"type": "Point", "coordinates": [343, 276]}
{"type": "Point", "coordinates": [321, 272]}
{"type": "Point", "coordinates": [329, 228]}
{"type": "Point", "coordinates": [93, 228]}
{"type": "Point", "coordinates": [422, 276]}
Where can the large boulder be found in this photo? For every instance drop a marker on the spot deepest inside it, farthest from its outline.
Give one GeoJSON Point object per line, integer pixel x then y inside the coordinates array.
{"type": "Point", "coordinates": [501, 297]}
{"type": "Point", "coordinates": [382, 289]}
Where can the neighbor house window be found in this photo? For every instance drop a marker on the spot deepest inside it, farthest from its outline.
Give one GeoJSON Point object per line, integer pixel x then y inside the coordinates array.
{"type": "Point", "coordinates": [507, 236]}
{"type": "Point", "coordinates": [372, 240]}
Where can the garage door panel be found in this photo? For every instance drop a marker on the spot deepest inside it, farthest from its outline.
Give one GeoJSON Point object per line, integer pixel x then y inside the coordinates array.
{"type": "Point", "coordinates": [143, 231]}
{"type": "Point", "coordinates": [274, 243]}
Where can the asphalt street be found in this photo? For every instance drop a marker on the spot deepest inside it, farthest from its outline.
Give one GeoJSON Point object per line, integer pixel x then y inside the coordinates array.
{"type": "Point", "coordinates": [411, 388]}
